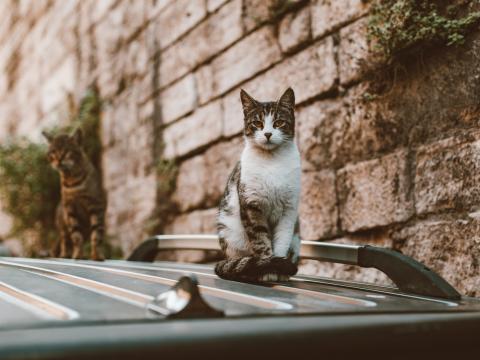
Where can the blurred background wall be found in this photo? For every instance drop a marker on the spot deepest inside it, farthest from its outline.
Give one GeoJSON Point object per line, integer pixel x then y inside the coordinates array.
{"type": "Point", "coordinates": [398, 167]}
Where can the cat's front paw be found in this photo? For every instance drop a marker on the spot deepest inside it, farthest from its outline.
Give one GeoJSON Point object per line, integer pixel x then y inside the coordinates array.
{"type": "Point", "coordinates": [97, 255]}
{"type": "Point", "coordinates": [283, 266]}
{"type": "Point", "coordinates": [77, 253]}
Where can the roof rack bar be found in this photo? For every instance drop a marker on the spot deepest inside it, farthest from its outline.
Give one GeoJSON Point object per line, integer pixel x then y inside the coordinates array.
{"type": "Point", "coordinates": [330, 252]}
{"type": "Point", "coordinates": [408, 274]}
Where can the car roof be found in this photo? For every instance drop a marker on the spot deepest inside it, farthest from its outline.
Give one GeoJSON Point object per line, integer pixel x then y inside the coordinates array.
{"type": "Point", "coordinates": [47, 291]}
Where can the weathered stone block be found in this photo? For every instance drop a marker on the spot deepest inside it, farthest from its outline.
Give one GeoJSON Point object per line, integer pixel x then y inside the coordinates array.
{"type": "Point", "coordinates": [140, 149]}
{"type": "Point", "coordinates": [179, 99]}
{"type": "Point", "coordinates": [328, 15]}
{"type": "Point", "coordinates": [448, 174]}
{"type": "Point", "coordinates": [190, 191]}
{"type": "Point", "coordinates": [210, 37]}
{"type": "Point", "coordinates": [156, 7]}
{"type": "Point", "coordinates": [122, 19]}
{"type": "Point", "coordinates": [334, 132]}
{"type": "Point", "coordinates": [194, 131]}
{"type": "Point", "coordinates": [147, 86]}
{"type": "Point", "coordinates": [201, 180]}
{"type": "Point", "coordinates": [225, 26]}
{"type": "Point", "coordinates": [128, 209]}
{"type": "Point", "coordinates": [318, 212]}
{"type": "Point", "coordinates": [204, 81]}
{"type": "Point", "coordinates": [141, 195]}
{"type": "Point", "coordinates": [137, 58]}
{"type": "Point", "coordinates": [213, 5]}
{"type": "Point", "coordinates": [253, 54]}
{"type": "Point", "coordinates": [232, 113]}
{"type": "Point", "coordinates": [183, 56]}
{"type": "Point", "coordinates": [294, 30]}
{"type": "Point", "coordinates": [97, 10]}
{"type": "Point", "coordinates": [219, 163]}
{"type": "Point", "coordinates": [420, 107]}
{"type": "Point", "coordinates": [32, 9]}
{"type": "Point", "coordinates": [257, 12]}
{"type": "Point", "coordinates": [310, 73]}
{"type": "Point", "coordinates": [375, 192]}
{"type": "Point", "coordinates": [320, 133]}
{"type": "Point", "coordinates": [114, 170]}
{"type": "Point", "coordinates": [177, 18]}
{"type": "Point", "coordinates": [135, 17]}
{"type": "Point", "coordinates": [106, 40]}
{"type": "Point", "coordinates": [195, 222]}
{"type": "Point", "coordinates": [355, 53]}
{"type": "Point", "coordinates": [60, 83]}
{"type": "Point", "coordinates": [449, 247]}
{"type": "Point", "coordinates": [125, 118]}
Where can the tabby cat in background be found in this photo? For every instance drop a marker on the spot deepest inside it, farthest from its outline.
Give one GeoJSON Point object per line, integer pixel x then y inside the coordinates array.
{"type": "Point", "coordinates": [257, 218]}
{"type": "Point", "coordinates": [81, 212]}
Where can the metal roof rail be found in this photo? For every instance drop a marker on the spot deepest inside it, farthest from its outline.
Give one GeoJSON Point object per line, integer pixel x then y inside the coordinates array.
{"type": "Point", "coordinates": [408, 274]}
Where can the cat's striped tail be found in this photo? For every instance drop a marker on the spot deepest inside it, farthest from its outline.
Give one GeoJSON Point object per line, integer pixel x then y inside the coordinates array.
{"type": "Point", "coordinates": [236, 267]}
{"type": "Point", "coordinates": [250, 267]}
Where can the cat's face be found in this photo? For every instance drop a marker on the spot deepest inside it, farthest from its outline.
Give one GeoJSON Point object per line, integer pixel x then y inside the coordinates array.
{"type": "Point", "coordinates": [268, 125]}
{"type": "Point", "coordinates": [65, 152]}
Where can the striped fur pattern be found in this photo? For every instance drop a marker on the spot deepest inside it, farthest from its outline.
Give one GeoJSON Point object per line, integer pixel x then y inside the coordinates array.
{"type": "Point", "coordinates": [81, 212]}
{"type": "Point", "coordinates": [257, 217]}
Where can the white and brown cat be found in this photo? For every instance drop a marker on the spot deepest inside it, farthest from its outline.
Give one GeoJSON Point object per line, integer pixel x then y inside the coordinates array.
{"type": "Point", "coordinates": [257, 217]}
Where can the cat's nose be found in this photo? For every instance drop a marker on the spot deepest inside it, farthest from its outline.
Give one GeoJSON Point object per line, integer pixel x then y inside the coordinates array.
{"type": "Point", "coordinates": [268, 135]}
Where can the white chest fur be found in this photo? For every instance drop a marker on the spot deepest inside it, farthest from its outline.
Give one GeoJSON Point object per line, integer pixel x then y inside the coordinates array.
{"type": "Point", "coordinates": [272, 177]}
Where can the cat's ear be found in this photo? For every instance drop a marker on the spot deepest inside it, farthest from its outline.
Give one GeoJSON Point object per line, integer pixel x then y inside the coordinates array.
{"type": "Point", "coordinates": [47, 136]}
{"type": "Point", "coordinates": [77, 137]}
{"type": "Point", "coordinates": [287, 100]}
{"type": "Point", "coordinates": [248, 102]}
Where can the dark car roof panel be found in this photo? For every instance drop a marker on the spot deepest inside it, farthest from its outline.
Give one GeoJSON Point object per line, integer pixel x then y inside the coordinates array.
{"type": "Point", "coordinates": [41, 291]}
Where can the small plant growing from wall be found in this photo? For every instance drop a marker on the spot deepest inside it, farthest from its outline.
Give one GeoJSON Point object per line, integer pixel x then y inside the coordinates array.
{"type": "Point", "coordinates": [399, 26]}
{"type": "Point", "coordinates": [30, 192]}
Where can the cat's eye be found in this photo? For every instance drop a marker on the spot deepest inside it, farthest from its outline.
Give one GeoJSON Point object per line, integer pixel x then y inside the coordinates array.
{"type": "Point", "coordinates": [279, 124]}
{"type": "Point", "coordinates": [258, 124]}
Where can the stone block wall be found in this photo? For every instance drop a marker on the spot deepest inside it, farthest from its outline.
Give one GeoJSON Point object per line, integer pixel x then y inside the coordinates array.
{"type": "Point", "coordinates": [398, 169]}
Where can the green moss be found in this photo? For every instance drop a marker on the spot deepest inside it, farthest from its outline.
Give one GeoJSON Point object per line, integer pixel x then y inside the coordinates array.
{"type": "Point", "coordinates": [367, 97]}
{"type": "Point", "coordinates": [30, 191]}
{"type": "Point", "coordinates": [166, 175]}
{"type": "Point", "coordinates": [399, 25]}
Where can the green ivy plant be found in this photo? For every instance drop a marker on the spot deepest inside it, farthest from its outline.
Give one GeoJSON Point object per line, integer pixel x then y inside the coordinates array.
{"type": "Point", "coordinates": [396, 26]}
{"type": "Point", "coordinates": [30, 191]}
